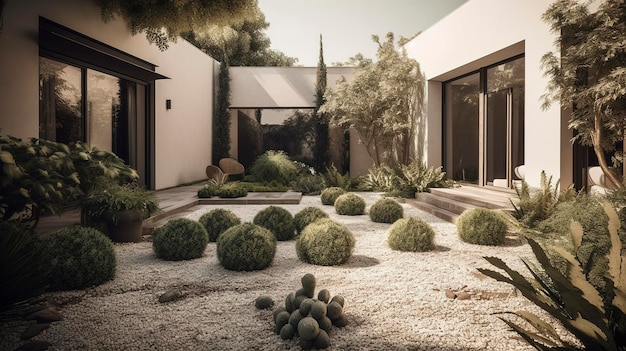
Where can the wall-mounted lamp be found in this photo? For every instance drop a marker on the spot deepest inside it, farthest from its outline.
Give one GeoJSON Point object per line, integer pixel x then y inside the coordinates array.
{"type": "Point", "coordinates": [168, 104]}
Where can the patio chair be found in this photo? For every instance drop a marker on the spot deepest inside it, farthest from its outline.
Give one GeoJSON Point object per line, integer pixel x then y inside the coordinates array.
{"type": "Point", "coordinates": [213, 172]}
{"type": "Point", "coordinates": [232, 168]}
{"type": "Point", "coordinates": [598, 182]}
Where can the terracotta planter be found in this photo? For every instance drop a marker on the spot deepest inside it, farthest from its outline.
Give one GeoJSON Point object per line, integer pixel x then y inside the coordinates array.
{"type": "Point", "coordinates": [128, 227]}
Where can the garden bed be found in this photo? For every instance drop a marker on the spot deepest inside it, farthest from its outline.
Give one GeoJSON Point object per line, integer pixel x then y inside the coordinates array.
{"type": "Point", "coordinates": [394, 300]}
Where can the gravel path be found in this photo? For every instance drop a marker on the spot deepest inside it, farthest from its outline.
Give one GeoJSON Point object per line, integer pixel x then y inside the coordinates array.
{"type": "Point", "coordinates": [394, 300]}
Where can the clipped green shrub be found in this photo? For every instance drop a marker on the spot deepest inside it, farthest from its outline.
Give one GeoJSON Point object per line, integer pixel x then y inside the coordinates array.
{"type": "Point", "coordinates": [411, 234]}
{"type": "Point", "coordinates": [329, 195]}
{"type": "Point", "coordinates": [78, 257]}
{"type": "Point", "coordinates": [350, 204]}
{"type": "Point", "coordinates": [386, 210]}
{"type": "Point", "coordinates": [307, 216]}
{"type": "Point", "coordinates": [246, 247]}
{"type": "Point", "coordinates": [207, 191]}
{"type": "Point", "coordinates": [482, 226]}
{"type": "Point", "coordinates": [231, 190]}
{"type": "Point", "coordinates": [274, 165]}
{"type": "Point", "coordinates": [180, 239]}
{"type": "Point", "coordinates": [22, 271]}
{"type": "Point", "coordinates": [277, 220]}
{"type": "Point", "coordinates": [325, 242]}
{"type": "Point", "coordinates": [217, 221]}
{"type": "Point", "coordinates": [309, 184]}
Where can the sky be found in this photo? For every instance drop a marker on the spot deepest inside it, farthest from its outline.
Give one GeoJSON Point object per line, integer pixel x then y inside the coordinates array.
{"type": "Point", "coordinates": [346, 26]}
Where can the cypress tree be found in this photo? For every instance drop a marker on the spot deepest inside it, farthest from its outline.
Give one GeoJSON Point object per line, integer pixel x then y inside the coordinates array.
{"type": "Point", "coordinates": [320, 149]}
{"type": "Point", "coordinates": [221, 122]}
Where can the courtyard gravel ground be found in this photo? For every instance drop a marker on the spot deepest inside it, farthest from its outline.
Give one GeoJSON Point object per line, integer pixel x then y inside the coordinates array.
{"type": "Point", "coordinates": [394, 300]}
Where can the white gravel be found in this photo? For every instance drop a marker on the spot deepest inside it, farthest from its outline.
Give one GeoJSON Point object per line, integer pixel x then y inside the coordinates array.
{"type": "Point", "coordinates": [394, 300]}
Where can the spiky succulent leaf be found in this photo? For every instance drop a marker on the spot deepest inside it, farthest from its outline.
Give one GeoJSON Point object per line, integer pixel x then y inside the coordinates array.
{"type": "Point", "coordinates": [546, 333]}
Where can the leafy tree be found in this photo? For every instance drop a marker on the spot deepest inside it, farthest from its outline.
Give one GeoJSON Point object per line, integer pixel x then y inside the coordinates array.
{"type": "Point", "coordinates": [241, 44]}
{"type": "Point", "coordinates": [381, 102]}
{"type": "Point", "coordinates": [320, 150]}
{"type": "Point", "coordinates": [588, 73]}
{"type": "Point", "coordinates": [221, 122]}
{"type": "Point", "coordinates": [165, 20]}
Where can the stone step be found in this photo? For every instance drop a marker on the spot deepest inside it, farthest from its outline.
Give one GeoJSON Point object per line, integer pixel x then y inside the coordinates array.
{"type": "Point", "coordinates": [433, 210]}
{"type": "Point", "coordinates": [488, 199]}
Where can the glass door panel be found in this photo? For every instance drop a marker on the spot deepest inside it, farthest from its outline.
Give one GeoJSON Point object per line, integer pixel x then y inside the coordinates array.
{"type": "Point", "coordinates": [496, 143]}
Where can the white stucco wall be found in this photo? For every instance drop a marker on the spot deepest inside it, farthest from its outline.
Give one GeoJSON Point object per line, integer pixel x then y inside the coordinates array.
{"type": "Point", "coordinates": [183, 134]}
{"type": "Point", "coordinates": [484, 32]}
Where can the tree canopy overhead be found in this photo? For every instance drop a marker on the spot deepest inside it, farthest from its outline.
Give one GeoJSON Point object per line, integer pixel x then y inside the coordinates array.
{"type": "Point", "coordinates": [240, 44]}
{"type": "Point", "coordinates": [588, 73]}
{"type": "Point", "coordinates": [165, 20]}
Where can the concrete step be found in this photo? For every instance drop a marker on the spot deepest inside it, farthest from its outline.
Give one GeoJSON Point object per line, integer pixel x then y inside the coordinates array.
{"type": "Point", "coordinates": [433, 210]}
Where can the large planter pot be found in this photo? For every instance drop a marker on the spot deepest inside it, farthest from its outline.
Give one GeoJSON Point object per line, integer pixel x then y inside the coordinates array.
{"type": "Point", "coordinates": [127, 228]}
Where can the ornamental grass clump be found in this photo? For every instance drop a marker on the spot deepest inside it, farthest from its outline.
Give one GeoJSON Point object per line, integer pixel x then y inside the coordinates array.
{"type": "Point", "coordinates": [217, 221]}
{"type": "Point", "coordinates": [274, 165]}
{"type": "Point", "coordinates": [482, 227]}
{"type": "Point", "coordinates": [180, 239]}
{"type": "Point", "coordinates": [277, 220]}
{"type": "Point", "coordinates": [78, 257]}
{"type": "Point", "coordinates": [329, 195]}
{"type": "Point", "coordinates": [411, 234]}
{"type": "Point", "coordinates": [325, 243]}
{"type": "Point", "coordinates": [350, 204]}
{"type": "Point", "coordinates": [307, 216]}
{"type": "Point", "coordinates": [386, 210]}
{"type": "Point", "coordinates": [246, 247]}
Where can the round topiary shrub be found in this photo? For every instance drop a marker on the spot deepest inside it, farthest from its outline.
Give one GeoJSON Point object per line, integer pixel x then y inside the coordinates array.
{"type": "Point", "coordinates": [481, 226]}
{"type": "Point", "coordinates": [246, 247]}
{"type": "Point", "coordinates": [180, 239]}
{"type": "Point", "coordinates": [411, 234]}
{"type": "Point", "coordinates": [277, 220]}
{"type": "Point", "coordinates": [386, 211]}
{"type": "Point", "coordinates": [325, 242]}
{"type": "Point", "coordinates": [217, 221]}
{"type": "Point", "coordinates": [350, 204]}
{"type": "Point", "coordinates": [78, 257]}
{"type": "Point", "coordinates": [329, 195]}
{"type": "Point", "coordinates": [307, 216]}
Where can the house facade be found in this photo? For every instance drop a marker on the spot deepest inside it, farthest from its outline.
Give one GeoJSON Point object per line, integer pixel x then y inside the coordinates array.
{"type": "Point", "coordinates": [68, 76]}
{"type": "Point", "coordinates": [482, 115]}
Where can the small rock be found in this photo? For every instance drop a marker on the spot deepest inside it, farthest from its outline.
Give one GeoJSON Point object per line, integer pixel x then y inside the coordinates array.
{"type": "Point", "coordinates": [45, 315]}
{"type": "Point", "coordinates": [463, 295]}
{"type": "Point", "coordinates": [170, 295]}
{"type": "Point", "coordinates": [34, 330]}
{"type": "Point", "coordinates": [34, 346]}
{"type": "Point", "coordinates": [450, 294]}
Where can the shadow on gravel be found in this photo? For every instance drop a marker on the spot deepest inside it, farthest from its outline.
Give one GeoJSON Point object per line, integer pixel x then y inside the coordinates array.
{"type": "Point", "coordinates": [360, 261]}
{"type": "Point", "coordinates": [441, 248]}
{"type": "Point", "coordinates": [513, 241]}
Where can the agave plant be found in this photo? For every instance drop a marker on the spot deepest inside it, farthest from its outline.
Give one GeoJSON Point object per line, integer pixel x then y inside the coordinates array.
{"type": "Point", "coordinates": [597, 320]}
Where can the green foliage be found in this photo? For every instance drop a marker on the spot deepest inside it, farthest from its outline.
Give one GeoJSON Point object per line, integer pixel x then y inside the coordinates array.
{"type": "Point", "coordinates": [180, 239]}
{"type": "Point", "coordinates": [411, 234]}
{"type": "Point", "coordinates": [275, 166]}
{"type": "Point", "coordinates": [277, 220]}
{"type": "Point", "coordinates": [536, 205]}
{"type": "Point", "coordinates": [246, 247]}
{"type": "Point", "coordinates": [221, 122]}
{"type": "Point", "coordinates": [379, 102]}
{"type": "Point", "coordinates": [405, 180]}
{"type": "Point", "coordinates": [350, 204]}
{"type": "Point", "coordinates": [232, 190]}
{"type": "Point", "coordinates": [321, 155]}
{"type": "Point", "coordinates": [596, 319]}
{"type": "Point", "coordinates": [588, 70]}
{"type": "Point", "coordinates": [164, 21]}
{"type": "Point", "coordinates": [325, 242]}
{"type": "Point", "coordinates": [307, 216]}
{"type": "Point", "coordinates": [329, 195]}
{"type": "Point", "coordinates": [332, 178]}
{"type": "Point", "coordinates": [78, 257]}
{"type": "Point", "coordinates": [386, 210]}
{"type": "Point", "coordinates": [309, 184]}
{"type": "Point", "coordinates": [42, 176]}
{"type": "Point", "coordinates": [107, 201]}
{"type": "Point", "coordinates": [207, 191]}
{"type": "Point", "coordinates": [262, 187]}
{"type": "Point", "coordinates": [482, 227]}
{"type": "Point", "coordinates": [217, 221]}
{"type": "Point", "coordinates": [22, 272]}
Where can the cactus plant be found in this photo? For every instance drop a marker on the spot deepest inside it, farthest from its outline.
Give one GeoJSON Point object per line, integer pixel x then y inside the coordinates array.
{"type": "Point", "coordinates": [386, 210]}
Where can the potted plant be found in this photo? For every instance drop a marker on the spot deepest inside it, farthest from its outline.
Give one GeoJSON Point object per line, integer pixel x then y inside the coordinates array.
{"type": "Point", "coordinates": [119, 210]}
